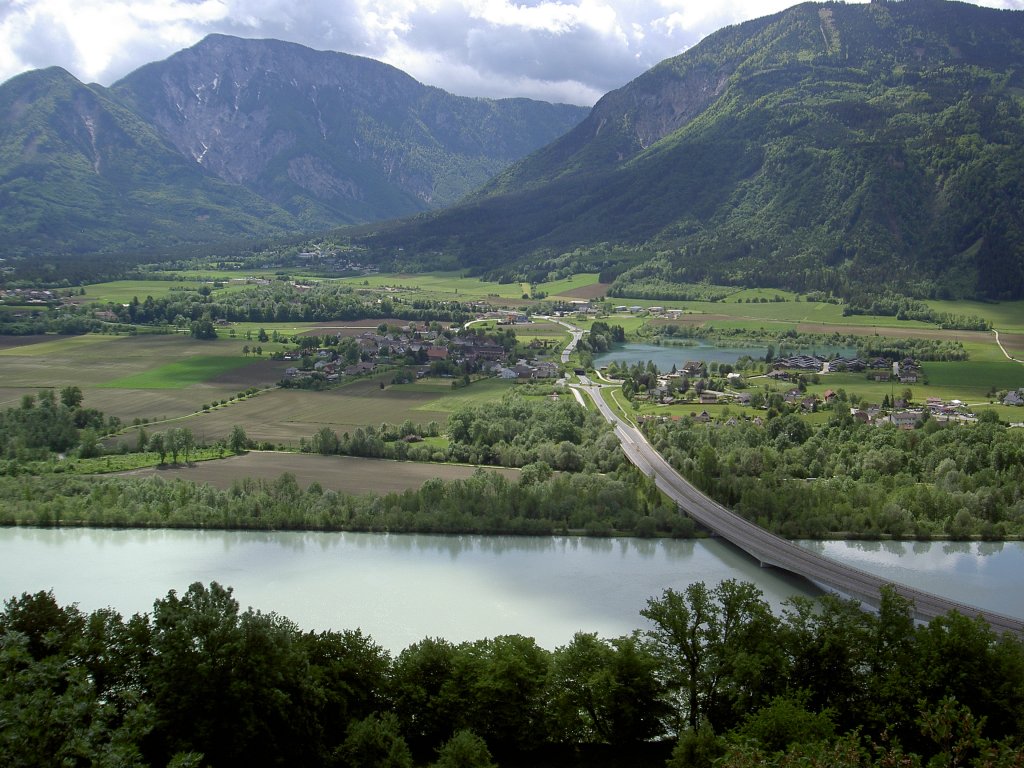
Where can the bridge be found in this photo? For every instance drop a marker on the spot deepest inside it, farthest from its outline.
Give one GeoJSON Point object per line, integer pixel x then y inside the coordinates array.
{"type": "Point", "coordinates": [772, 550]}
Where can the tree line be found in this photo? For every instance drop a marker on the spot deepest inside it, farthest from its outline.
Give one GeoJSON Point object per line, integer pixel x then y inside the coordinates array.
{"type": "Point", "coordinates": [844, 478]}
{"type": "Point", "coordinates": [540, 502]}
{"type": "Point", "coordinates": [715, 678]}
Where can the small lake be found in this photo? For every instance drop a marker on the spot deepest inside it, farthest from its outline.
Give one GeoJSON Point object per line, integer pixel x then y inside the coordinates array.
{"type": "Point", "coordinates": [402, 588]}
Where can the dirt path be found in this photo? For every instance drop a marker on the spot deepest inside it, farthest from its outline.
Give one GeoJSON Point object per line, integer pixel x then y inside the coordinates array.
{"type": "Point", "coordinates": [1000, 343]}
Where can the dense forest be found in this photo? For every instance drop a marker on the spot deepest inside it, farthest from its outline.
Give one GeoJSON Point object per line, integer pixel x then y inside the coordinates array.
{"type": "Point", "coordinates": [716, 676]}
{"type": "Point", "coordinates": [539, 503]}
{"type": "Point", "coordinates": [852, 479]}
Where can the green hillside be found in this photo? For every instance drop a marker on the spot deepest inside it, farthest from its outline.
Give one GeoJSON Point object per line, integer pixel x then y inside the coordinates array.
{"type": "Point", "coordinates": [80, 173]}
{"type": "Point", "coordinates": [831, 147]}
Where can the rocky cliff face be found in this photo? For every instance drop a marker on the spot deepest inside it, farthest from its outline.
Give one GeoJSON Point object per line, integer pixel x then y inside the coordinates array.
{"type": "Point", "coordinates": [833, 146]}
{"type": "Point", "coordinates": [241, 138]}
{"type": "Point", "coordinates": [330, 136]}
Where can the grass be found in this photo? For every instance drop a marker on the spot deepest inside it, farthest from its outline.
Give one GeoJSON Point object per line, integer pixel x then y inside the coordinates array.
{"type": "Point", "coordinates": [1005, 316]}
{"type": "Point", "coordinates": [59, 346]}
{"type": "Point", "coordinates": [123, 291]}
{"type": "Point", "coordinates": [180, 374]}
{"type": "Point", "coordinates": [477, 393]}
{"type": "Point", "coordinates": [443, 285]}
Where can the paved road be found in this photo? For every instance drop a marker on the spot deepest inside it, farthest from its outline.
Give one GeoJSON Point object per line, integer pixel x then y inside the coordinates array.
{"type": "Point", "coordinates": [577, 334]}
{"type": "Point", "coordinates": [773, 550]}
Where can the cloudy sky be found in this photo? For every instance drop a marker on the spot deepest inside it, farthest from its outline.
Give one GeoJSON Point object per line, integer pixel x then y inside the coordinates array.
{"type": "Point", "coordinates": [557, 50]}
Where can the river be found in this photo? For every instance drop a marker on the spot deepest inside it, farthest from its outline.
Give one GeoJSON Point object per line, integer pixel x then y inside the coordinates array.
{"type": "Point", "coordinates": [402, 588]}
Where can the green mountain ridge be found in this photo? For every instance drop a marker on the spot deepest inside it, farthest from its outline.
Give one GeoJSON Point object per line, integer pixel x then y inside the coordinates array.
{"type": "Point", "coordinates": [238, 138]}
{"type": "Point", "coordinates": [827, 147]}
{"type": "Point", "coordinates": [80, 172]}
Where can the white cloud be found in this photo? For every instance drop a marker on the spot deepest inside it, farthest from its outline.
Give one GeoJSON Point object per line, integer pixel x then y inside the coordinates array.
{"type": "Point", "coordinates": [563, 50]}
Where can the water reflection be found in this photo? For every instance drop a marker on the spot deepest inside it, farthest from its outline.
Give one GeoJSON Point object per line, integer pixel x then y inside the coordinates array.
{"type": "Point", "coordinates": [983, 574]}
{"type": "Point", "coordinates": [400, 588]}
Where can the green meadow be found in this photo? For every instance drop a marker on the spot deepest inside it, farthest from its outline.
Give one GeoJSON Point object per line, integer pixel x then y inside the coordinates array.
{"type": "Point", "coordinates": [123, 291]}
{"type": "Point", "coordinates": [180, 374]}
{"type": "Point", "coordinates": [1004, 316]}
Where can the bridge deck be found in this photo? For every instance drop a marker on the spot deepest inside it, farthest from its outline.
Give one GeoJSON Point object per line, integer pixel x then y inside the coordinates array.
{"type": "Point", "coordinates": [773, 550]}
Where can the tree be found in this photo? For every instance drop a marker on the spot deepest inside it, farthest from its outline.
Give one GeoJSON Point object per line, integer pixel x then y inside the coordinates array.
{"type": "Point", "coordinates": [203, 329]}
{"type": "Point", "coordinates": [230, 685]}
{"type": "Point", "coordinates": [716, 650]}
{"type": "Point", "coordinates": [187, 442]}
{"type": "Point", "coordinates": [464, 750]}
{"type": "Point", "coordinates": [607, 691]}
{"type": "Point", "coordinates": [158, 445]}
{"type": "Point", "coordinates": [325, 441]}
{"type": "Point", "coordinates": [88, 444]}
{"type": "Point", "coordinates": [71, 396]}
{"type": "Point", "coordinates": [238, 441]}
{"type": "Point", "coordinates": [375, 743]}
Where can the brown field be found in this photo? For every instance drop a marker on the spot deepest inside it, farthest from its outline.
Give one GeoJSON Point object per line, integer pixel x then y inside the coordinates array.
{"type": "Point", "coordinates": [346, 474]}
{"type": "Point", "coordinates": [1013, 343]}
{"type": "Point", "coordinates": [284, 416]}
{"type": "Point", "coordinates": [595, 291]}
{"type": "Point", "coordinates": [9, 342]}
{"type": "Point", "coordinates": [93, 361]}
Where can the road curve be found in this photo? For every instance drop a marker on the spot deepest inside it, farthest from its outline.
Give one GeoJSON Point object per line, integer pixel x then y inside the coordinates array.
{"type": "Point", "coordinates": [773, 550]}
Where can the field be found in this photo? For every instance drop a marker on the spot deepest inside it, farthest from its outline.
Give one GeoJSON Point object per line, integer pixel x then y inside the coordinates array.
{"type": "Point", "coordinates": [285, 416]}
{"type": "Point", "coordinates": [154, 378]}
{"type": "Point", "coordinates": [345, 474]}
{"type": "Point", "coordinates": [181, 374]}
{"type": "Point", "coordinates": [119, 374]}
{"type": "Point", "coordinates": [1004, 316]}
{"type": "Point", "coordinates": [123, 291]}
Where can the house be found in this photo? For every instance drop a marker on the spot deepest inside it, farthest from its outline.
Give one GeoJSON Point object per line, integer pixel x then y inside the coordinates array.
{"type": "Point", "coordinates": [693, 368]}
{"type": "Point", "coordinates": [704, 417]}
{"type": "Point", "coordinates": [708, 398]}
{"type": "Point", "coordinates": [524, 371]}
{"type": "Point", "coordinates": [437, 353]}
{"type": "Point", "coordinates": [547, 370]}
{"type": "Point", "coordinates": [359, 368]}
{"type": "Point", "coordinates": [1016, 397]}
{"type": "Point", "coordinates": [905, 419]}
{"type": "Point", "coordinates": [828, 396]}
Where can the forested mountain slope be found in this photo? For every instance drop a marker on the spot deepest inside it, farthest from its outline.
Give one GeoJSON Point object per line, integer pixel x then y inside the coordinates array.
{"type": "Point", "coordinates": [830, 146]}
{"type": "Point", "coordinates": [241, 138]}
{"type": "Point", "coordinates": [80, 173]}
{"type": "Point", "coordinates": [329, 136]}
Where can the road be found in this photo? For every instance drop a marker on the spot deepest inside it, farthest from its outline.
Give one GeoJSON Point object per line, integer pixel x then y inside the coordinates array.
{"type": "Point", "coordinates": [772, 550]}
{"type": "Point", "coordinates": [577, 334]}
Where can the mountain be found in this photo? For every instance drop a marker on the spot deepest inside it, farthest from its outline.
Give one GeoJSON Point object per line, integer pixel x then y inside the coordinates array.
{"type": "Point", "coordinates": [332, 137]}
{"type": "Point", "coordinates": [243, 138]}
{"type": "Point", "coordinates": [80, 172]}
{"type": "Point", "coordinates": [827, 147]}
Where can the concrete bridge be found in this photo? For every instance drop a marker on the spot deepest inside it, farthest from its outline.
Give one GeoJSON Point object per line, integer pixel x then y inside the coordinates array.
{"type": "Point", "coordinates": [772, 550]}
